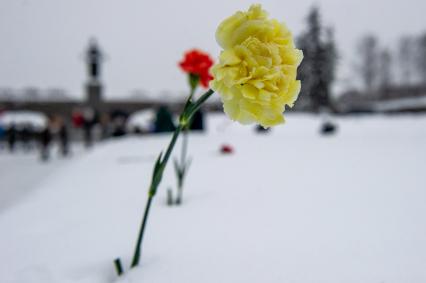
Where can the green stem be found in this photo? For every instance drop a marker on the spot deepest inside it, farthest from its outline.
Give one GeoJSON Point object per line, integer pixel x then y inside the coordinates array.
{"type": "Point", "coordinates": [199, 102]}
{"type": "Point", "coordinates": [181, 168]}
{"type": "Point", "coordinates": [171, 146]}
{"type": "Point", "coordinates": [156, 179]}
{"type": "Point", "coordinates": [118, 266]}
{"type": "Point", "coordinates": [137, 254]}
{"type": "Point", "coordinates": [160, 166]}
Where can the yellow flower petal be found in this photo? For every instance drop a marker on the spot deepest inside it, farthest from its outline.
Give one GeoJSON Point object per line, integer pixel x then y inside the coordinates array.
{"type": "Point", "coordinates": [257, 70]}
{"type": "Point", "coordinates": [249, 91]}
{"type": "Point", "coordinates": [228, 57]}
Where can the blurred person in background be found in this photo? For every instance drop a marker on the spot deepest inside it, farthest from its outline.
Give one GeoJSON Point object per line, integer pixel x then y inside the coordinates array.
{"type": "Point", "coordinates": [26, 135]}
{"type": "Point", "coordinates": [63, 138]}
{"type": "Point", "coordinates": [197, 121]}
{"type": "Point", "coordinates": [2, 136]}
{"type": "Point", "coordinates": [106, 128]}
{"type": "Point", "coordinates": [45, 140]}
{"type": "Point", "coordinates": [261, 130]}
{"type": "Point", "coordinates": [11, 137]}
{"type": "Point", "coordinates": [88, 123]}
{"type": "Point", "coordinates": [119, 126]}
{"type": "Point", "coordinates": [164, 121]}
{"type": "Point", "coordinates": [77, 118]}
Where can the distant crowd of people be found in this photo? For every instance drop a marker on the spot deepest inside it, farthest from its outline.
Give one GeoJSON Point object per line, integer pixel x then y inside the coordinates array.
{"type": "Point", "coordinates": [28, 137]}
{"type": "Point", "coordinates": [86, 125]}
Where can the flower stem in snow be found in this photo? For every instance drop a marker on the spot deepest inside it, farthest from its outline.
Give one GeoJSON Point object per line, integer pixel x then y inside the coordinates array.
{"type": "Point", "coordinates": [181, 167]}
{"type": "Point", "coordinates": [118, 266]}
{"type": "Point", "coordinates": [160, 165]}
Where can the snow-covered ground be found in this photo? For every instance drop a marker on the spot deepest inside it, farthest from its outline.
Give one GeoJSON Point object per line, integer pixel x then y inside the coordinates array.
{"type": "Point", "coordinates": [288, 206]}
{"type": "Point", "coordinates": [22, 171]}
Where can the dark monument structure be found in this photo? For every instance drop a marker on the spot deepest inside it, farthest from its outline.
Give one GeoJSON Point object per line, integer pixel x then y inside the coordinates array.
{"type": "Point", "coordinates": [94, 59]}
{"type": "Point", "coordinates": [94, 95]}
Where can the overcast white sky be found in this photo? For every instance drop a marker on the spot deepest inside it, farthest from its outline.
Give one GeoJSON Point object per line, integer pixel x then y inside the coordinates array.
{"type": "Point", "coordinates": [42, 41]}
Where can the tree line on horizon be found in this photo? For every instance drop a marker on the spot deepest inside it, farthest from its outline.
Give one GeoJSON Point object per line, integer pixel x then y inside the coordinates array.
{"type": "Point", "coordinates": [379, 69]}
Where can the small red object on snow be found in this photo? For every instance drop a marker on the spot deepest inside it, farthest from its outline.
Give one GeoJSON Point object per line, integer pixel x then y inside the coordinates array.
{"type": "Point", "coordinates": [226, 149]}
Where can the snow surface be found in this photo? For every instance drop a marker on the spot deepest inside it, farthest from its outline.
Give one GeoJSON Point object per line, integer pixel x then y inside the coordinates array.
{"type": "Point", "coordinates": [22, 171]}
{"type": "Point", "coordinates": [288, 206]}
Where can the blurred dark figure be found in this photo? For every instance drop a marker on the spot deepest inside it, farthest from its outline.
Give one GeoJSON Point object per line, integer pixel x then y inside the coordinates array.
{"type": "Point", "coordinates": [197, 121]}
{"type": "Point", "coordinates": [119, 127]}
{"type": "Point", "coordinates": [328, 128]}
{"type": "Point", "coordinates": [2, 136]}
{"type": "Point", "coordinates": [119, 132]}
{"type": "Point", "coordinates": [164, 121]}
{"type": "Point", "coordinates": [88, 123]}
{"type": "Point", "coordinates": [118, 124]}
{"type": "Point", "coordinates": [77, 119]}
{"type": "Point", "coordinates": [105, 122]}
{"type": "Point", "coordinates": [45, 140]}
{"type": "Point", "coordinates": [137, 130]}
{"type": "Point", "coordinates": [26, 136]}
{"type": "Point", "coordinates": [87, 132]}
{"type": "Point", "coordinates": [261, 130]}
{"type": "Point", "coordinates": [11, 137]}
{"type": "Point", "coordinates": [63, 136]}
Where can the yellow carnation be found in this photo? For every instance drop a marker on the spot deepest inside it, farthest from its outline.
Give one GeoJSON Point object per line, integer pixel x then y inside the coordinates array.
{"type": "Point", "coordinates": [257, 69]}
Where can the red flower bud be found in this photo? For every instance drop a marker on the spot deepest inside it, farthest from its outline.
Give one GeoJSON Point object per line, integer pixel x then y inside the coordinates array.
{"type": "Point", "coordinates": [197, 63]}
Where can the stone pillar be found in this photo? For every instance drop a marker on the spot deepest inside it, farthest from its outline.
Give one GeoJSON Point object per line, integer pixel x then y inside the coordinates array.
{"type": "Point", "coordinates": [94, 88]}
{"type": "Point", "coordinates": [94, 97]}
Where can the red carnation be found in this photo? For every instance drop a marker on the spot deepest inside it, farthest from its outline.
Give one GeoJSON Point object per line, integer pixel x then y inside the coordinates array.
{"type": "Point", "coordinates": [226, 149]}
{"type": "Point", "coordinates": [197, 63]}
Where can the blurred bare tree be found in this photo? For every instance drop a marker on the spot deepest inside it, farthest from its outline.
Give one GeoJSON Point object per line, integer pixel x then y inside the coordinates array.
{"type": "Point", "coordinates": [421, 58]}
{"type": "Point", "coordinates": [368, 63]}
{"type": "Point", "coordinates": [406, 60]}
{"type": "Point", "coordinates": [385, 71]}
